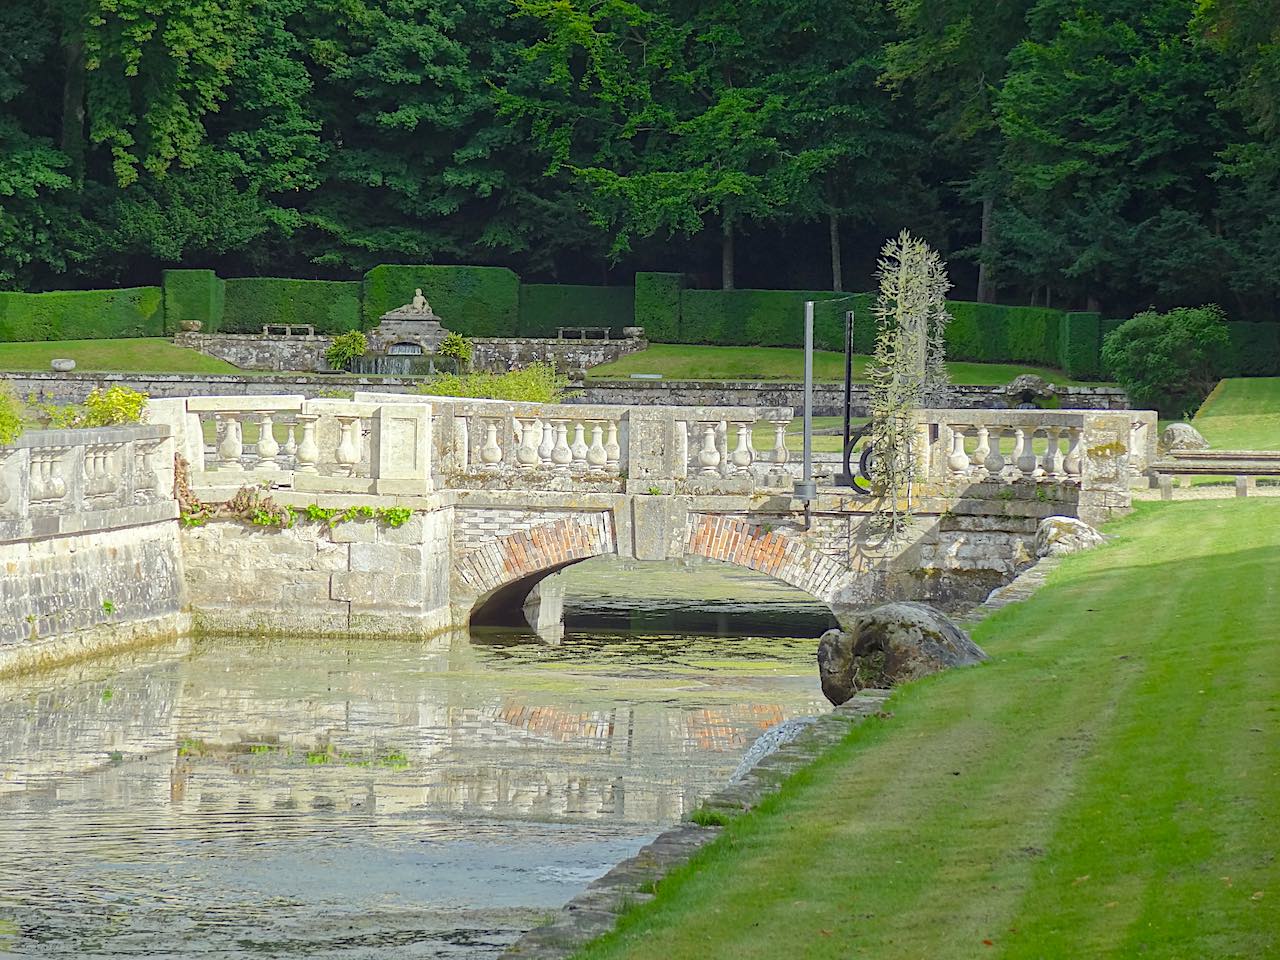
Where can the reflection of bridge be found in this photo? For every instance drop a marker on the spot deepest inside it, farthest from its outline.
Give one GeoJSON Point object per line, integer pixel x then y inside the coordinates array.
{"type": "Point", "coordinates": [506, 493]}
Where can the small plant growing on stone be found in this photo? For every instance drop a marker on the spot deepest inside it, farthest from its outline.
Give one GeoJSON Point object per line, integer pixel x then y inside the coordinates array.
{"type": "Point", "coordinates": [108, 607]}
{"type": "Point", "coordinates": [654, 491]}
{"type": "Point", "coordinates": [346, 347]}
{"type": "Point", "coordinates": [12, 414]}
{"type": "Point", "coordinates": [456, 347]}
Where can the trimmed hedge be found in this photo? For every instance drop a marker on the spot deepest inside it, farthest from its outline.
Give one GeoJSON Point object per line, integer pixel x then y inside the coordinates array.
{"type": "Point", "coordinates": [762, 318]}
{"type": "Point", "coordinates": [193, 295]}
{"type": "Point", "coordinates": [1255, 349]}
{"type": "Point", "coordinates": [474, 301]}
{"type": "Point", "coordinates": [1080, 345]}
{"type": "Point", "coordinates": [82, 314]}
{"type": "Point", "coordinates": [545, 306]}
{"type": "Point", "coordinates": [331, 306]}
{"type": "Point", "coordinates": [991, 333]}
{"type": "Point", "coordinates": [657, 305]}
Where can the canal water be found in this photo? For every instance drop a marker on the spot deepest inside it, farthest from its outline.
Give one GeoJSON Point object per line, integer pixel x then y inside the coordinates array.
{"type": "Point", "coordinates": [316, 798]}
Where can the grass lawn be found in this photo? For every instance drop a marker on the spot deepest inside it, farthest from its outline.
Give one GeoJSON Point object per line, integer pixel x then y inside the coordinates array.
{"type": "Point", "coordinates": [1108, 785]}
{"type": "Point", "coordinates": [136, 355]}
{"type": "Point", "coordinates": [686, 362]}
{"type": "Point", "coordinates": [1242, 414]}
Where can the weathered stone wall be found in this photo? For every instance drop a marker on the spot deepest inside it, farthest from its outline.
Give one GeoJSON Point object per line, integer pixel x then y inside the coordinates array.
{"type": "Point", "coordinates": [361, 577]}
{"type": "Point", "coordinates": [828, 398]}
{"type": "Point", "coordinates": [305, 354]}
{"type": "Point", "coordinates": [89, 555]}
{"type": "Point", "coordinates": [513, 354]}
{"type": "Point", "coordinates": [252, 351]}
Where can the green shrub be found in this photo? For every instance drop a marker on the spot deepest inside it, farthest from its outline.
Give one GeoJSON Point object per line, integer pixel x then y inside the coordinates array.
{"type": "Point", "coordinates": [992, 333]}
{"type": "Point", "coordinates": [12, 414]}
{"type": "Point", "coordinates": [1080, 345]}
{"type": "Point", "coordinates": [1169, 361]}
{"type": "Point", "coordinates": [330, 306]}
{"type": "Point", "coordinates": [457, 347]}
{"type": "Point", "coordinates": [82, 314]}
{"type": "Point", "coordinates": [545, 306]}
{"type": "Point", "coordinates": [763, 318]}
{"type": "Point", "coordinates": [475, 301]}
{"type": "Point", "coordinates": [346, 347]}
{"type": "Point", "coordinates": [656, 305]}
{"type": "Point", "coordinates": [193, 295]}
{"type": "Point", "coordinates": [536, 383]}
{"type": "Point", "coordinates": [113, 406]}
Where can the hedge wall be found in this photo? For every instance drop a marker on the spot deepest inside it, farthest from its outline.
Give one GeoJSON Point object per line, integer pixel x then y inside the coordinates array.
{"type": "Point", "coordinates": [991, 333]}
{"type": "Point", "coordinates": [82, 314]}
{"type": "Point", "coordinates": [474, 301]}
{"type": "Point", "coordinates": [763, 318]}
{"type": "Point", "coordinates": [331, 306]}
{"type": "Point", "coordinates": [1255, 349]}
{"type": "Point", "coordinates": [1080, 345]}
{"type": "Point", "coordinates": [656, 305]}
{"type": "Point", "coordinates": [545, 306]}
{"type": "Point", "coordinates": [193, 295]}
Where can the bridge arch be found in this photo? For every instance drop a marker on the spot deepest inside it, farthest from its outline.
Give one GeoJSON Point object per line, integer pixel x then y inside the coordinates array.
{"type": "Point", "coordinates": [773, 552]}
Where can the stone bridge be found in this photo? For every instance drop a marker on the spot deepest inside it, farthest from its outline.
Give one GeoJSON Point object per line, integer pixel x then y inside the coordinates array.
{"type": "Point", "coordinates": [505, 494]}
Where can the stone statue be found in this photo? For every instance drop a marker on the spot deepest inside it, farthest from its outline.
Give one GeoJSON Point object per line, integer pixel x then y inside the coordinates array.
{"type": "Point", "coordinates": [420, 302]}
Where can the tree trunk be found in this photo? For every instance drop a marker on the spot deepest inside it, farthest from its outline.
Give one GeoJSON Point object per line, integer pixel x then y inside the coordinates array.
{"type": "Point", "coordinates": [726, 255]}
{"type": "Point", "coordinates": [1091, 304]}
{"type": "Point", "coordinates": [73, 103]}
{"type": "Point", "coordinates": [837, 276]}
{"type": "Point", "coordinates": [984, 280]}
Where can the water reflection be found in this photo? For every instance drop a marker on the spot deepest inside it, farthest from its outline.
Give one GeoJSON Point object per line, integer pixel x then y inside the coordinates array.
{"type": "Point", "coordinates": [314, 798]}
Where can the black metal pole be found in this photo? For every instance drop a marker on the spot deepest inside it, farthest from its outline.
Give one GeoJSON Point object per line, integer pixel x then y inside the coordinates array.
{"type": "Point", "coordinates": [848, 375]}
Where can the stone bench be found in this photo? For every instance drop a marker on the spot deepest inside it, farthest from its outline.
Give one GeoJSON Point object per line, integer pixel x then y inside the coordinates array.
{"type": "Point", "coordinates": [1244, 465]}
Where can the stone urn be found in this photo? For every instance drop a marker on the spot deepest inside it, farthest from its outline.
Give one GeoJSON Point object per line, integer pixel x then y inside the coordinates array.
{"type": "Point", "coordinates": [62, 365]}
{"type": "Point", "coordinates": [190, 326]}
{"type": "Point", "coordinates": [633, 333]}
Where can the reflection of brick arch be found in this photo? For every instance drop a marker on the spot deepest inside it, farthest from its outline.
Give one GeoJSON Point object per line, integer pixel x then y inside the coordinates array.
{"type": "Point", "coordinates": [546, 546]}
{"type": "Point", "coordinates": [784, 558]}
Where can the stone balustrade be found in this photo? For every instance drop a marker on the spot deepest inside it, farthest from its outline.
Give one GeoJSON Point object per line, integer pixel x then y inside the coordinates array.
{"type": "Point", "coordinates": [55, 482]}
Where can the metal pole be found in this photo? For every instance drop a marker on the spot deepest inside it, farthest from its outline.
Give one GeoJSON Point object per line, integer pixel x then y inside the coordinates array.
{"type": "Point", "coordinates": [808, 393]}
{"type": "Point", "coordinates": [848, 375]}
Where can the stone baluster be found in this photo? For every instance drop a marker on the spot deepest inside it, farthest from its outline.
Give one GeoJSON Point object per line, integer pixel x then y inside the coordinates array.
{"type": "Point", "coordinates": [290, 449]}
{"type": "Point", "coordinates": [1052, 462]}
{"type": "Point", "coordinates": [981, 452]}
{"type": "Point", "coordinates": [347, 455]}
{"type": "Point", "coordinates": [308, 449]}
{"type": "Point", "coordinates": [146, 483]}
{"type": "Point", "coordinates": [741, 456]}
{"type": "Point", "coordinates": [47, 483]}
{"type": "Point", "coordinates": [1071, 464]}
{"type": "Point", "coordinates": [6, 491]}
{"type": "Point", "coordinates": [597, 458]}
{"type": "Point", "coordinates": [231, 447]}
{"type": "Point", "coordinates": [1024, 453]}
{"type": "Point", "coordinates": [709, 455]}
{"type": "Point", "coordinates": [530, 435]}
{"type": "Point", "coordinates": [547, 444]}
{"type": "Point", "coordinates": [561, 455]}
{"type": "Point", "coordinates": [779, 455]}
{"type": "Point", "coordinates": [958, 461]}
{"type": "Point", "coordinates": [268, 446]}
{"type": "Point", "coordinates": [995, 461]}
{"type": "Point", "coordinates": [579, 447]}
{"type": "Point", "coordinates": [612, 450]}
{"type": "Point", "coordinates": [93, 473]}
{"type": "Point", "coordinates": [491, 450]}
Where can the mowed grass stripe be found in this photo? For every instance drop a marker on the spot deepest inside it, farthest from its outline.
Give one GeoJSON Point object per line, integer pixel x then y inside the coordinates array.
{"type": "Point", "coordinates": [1068, 799]}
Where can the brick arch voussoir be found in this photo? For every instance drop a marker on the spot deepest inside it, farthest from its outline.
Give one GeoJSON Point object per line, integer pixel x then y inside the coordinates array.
{"type": "Point", "coordinates": [546, 546]}
{"type": "Point", "coordinates": [747, 544]}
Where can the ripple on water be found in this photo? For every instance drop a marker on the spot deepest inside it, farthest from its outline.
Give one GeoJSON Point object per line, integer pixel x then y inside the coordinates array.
{"type": "Point", "coordinates": [346, 798]}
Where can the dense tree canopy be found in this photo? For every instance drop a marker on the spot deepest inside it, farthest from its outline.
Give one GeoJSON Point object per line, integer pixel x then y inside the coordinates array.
{"type": "Point", "coordinates": [1116, 154]}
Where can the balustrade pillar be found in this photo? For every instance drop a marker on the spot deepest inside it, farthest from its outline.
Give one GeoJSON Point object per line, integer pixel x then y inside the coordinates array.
{"type": "Point", "coordinates": [1052, 462]}
{"type": "Point", "coordinates": [597, 458]}
{"type": "Point", "coordinates": [268, 447]}
{"type": "Point", "coordinates": [347, 455]}
{"type": "Point", "coordinates": [612, 451]}
{"type": "Point", "coordinates": [741, 456]}
{"type": "Point", "coordinates": [1024, 453]}
{"type": "Point", "coordinates": [561, 455]}
{"type": "Point", "coordinates": [958, 461]}
{"type": "Point", "coordinates": [308, 449]}
{"type": "Point", "coordinates": [994, 462]}
{"type": "Point", "coordinates": [231, 448]}
{"type": "Point", "coordinates": [779, 454]}
{"type": "Point", "coordinates": [709, 455]}
{"type": "Point", "coordinates": [490, 450]}
{"type": "Point", "coordinates": [1071, 464]}
{"type": "Point", "coordinates": [579, 447]}
{"type": "Point", "coordinates": [527, 452]}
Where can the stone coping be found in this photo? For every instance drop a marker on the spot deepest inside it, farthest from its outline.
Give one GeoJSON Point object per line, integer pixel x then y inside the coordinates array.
{"type": "Point", "coordinates": [622, 382]}
{"type": "Point", "coordinates": [87, 436]}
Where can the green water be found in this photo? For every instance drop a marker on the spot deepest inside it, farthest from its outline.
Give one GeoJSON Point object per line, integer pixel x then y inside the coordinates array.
{"type": "Point", "coordinates": [351, 798]}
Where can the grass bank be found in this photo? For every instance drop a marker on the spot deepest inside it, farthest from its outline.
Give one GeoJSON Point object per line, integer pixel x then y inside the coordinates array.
{"type": "Point", "coordinates": [1242, 414]}
{"type": "Point", "coordinates": [1108, 785]}
{"type": "Point", "coordinates": [687, 362]}
{"type": "Point", "coordinates": [132, 355]}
